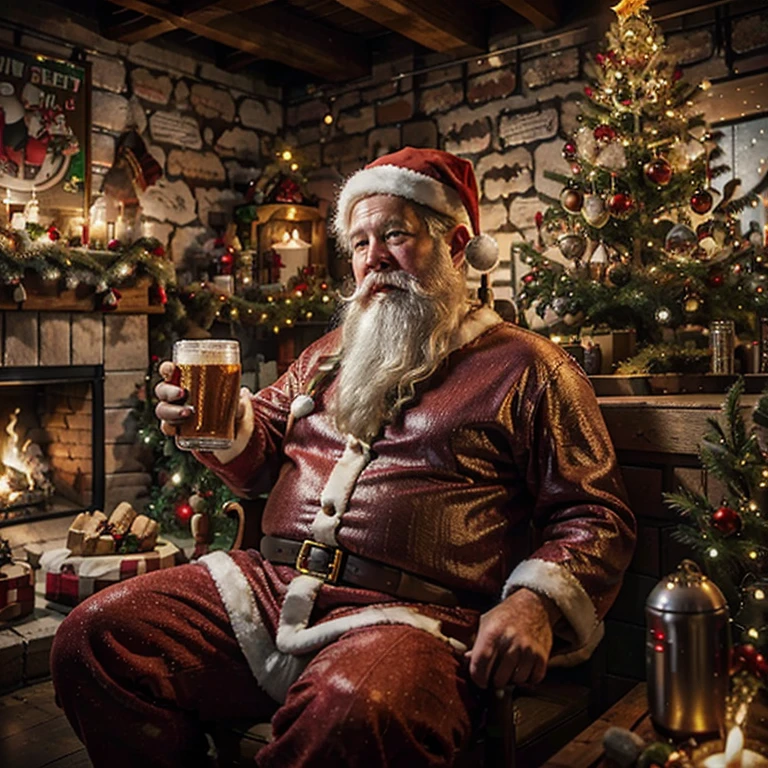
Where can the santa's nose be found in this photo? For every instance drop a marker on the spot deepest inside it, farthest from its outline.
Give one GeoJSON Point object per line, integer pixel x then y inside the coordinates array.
{"type": "Point", "coordinates": [378, 258]}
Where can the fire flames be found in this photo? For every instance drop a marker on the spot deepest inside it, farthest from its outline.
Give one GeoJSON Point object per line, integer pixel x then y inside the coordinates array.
{"type": "Point", "coordinates": [23, 470]}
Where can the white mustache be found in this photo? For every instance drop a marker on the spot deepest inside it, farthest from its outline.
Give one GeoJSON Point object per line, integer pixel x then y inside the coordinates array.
{"type": "Point", "coordinates": [375, 280]}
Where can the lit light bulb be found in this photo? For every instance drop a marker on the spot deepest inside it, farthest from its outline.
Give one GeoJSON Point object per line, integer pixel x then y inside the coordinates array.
{"type": "Point", "coordinates": [713, 553]}
{"type": "Point", "coordinates": [759, 594]}
{"type": "Point", "coordinates": [328, 119]}
{"type": "Point", "coordinates": [287, 155]}
{"type": "Point", "coordinates": [176, 478]}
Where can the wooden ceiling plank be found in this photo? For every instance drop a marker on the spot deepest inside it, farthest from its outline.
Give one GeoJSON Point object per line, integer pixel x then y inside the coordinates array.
{"type": "Point", "coordinates": [137, 30]}
{"type": "Point", "coordinates": [440, 25]}
{"type": "Point", "coordinates": [543, 14]}
{"type": "Point", "coordinates": [278, 36]}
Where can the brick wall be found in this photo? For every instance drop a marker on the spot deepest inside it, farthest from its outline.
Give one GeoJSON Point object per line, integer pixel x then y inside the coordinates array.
{"type": "Point", "coordinates": [120, 343]}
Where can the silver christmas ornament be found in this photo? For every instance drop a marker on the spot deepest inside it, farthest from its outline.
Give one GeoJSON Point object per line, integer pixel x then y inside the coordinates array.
{"type": "Point", "coordinates": [572, 245]}
{"type": "Point", "coordinates": [680, 241]}
{"type": "Point", "coordinates": [19, 293]}
{"type": "Point", "coordinates": [687, 649]}
{"type": "Point", "coordinates": [594, 211]}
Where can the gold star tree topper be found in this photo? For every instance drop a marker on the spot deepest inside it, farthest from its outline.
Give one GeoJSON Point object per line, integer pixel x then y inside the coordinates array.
{"type": "Point", "coordinates": [627, 8]}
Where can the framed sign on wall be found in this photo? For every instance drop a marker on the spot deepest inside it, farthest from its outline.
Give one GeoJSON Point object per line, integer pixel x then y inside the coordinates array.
{"type": "Point", "coordinates": [44, 134]}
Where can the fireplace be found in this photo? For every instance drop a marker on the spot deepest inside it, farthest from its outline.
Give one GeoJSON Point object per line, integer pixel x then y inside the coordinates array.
{"type": "Point", "coordinates": [51, 441]}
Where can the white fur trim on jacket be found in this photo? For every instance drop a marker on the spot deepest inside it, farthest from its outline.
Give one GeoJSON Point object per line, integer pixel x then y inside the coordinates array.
{"type": "Point", "coordinates": [274, 671]}
{"type": "Point", "coordinates": [335, 496]}
{"type": "Point", "coordinates": [562, 587]}
{"type": "Point", "coordinates": [401, 182]}
{"type": "Point", "coordinates": [295, 636]}
{"type": "Point", "coordinates": [244, 431]}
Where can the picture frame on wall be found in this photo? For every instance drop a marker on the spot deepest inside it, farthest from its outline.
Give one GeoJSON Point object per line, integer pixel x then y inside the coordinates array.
{"type": "Point", "coordinates": [45, 117]}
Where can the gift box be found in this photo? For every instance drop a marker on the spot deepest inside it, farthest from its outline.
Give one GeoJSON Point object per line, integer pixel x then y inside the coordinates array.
{"type": "Point", "coordinates": [17, 590]}
{"type": "Point", "coordinates": [69, 579]}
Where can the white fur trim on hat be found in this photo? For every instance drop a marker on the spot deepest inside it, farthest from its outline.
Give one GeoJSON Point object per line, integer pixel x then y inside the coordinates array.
{"type": "Point", "coordinates": [482, 253]}
{"type": "Point", "coordinates": [401, 182]}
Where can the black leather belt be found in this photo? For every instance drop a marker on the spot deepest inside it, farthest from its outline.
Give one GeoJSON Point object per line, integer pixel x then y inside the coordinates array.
{"type": "Point", "coordinates": [335, 566]}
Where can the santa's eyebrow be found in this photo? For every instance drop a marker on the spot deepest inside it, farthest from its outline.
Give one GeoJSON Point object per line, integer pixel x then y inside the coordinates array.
{"type": "Point", "coordinates": [393, 222]}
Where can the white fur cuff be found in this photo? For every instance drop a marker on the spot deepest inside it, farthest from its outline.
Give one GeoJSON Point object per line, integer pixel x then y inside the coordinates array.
{"type": "Point", "coordinates": [562, 587]}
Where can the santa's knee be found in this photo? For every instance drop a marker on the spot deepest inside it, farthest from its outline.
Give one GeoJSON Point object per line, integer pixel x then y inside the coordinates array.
{"type": "Point", "coordinates": [82, 649]}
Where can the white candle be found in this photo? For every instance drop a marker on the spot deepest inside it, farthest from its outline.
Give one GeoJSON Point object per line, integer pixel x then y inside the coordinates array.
{"type": "Point", "coordinates": [735, 755]}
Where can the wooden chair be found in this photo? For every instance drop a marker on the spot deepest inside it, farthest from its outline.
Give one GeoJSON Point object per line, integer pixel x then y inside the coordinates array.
{"type": "Point", "coordinates": [520, 728]}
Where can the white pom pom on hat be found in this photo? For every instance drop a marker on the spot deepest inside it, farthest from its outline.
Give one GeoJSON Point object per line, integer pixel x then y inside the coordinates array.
{"type": "Point", "coordinates": [439, 180]}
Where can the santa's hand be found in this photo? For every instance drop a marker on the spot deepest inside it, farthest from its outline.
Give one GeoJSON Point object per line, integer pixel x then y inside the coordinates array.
{"type": "Point", "coordinates": [171, 408]}
{"type": "Point", "coordinates": [513, 641]}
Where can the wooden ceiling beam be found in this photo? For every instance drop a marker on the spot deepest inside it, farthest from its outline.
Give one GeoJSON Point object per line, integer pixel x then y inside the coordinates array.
{"type": "Point", "coordinates": [277, 35]}
{"type": "Point", "coordinates": [137, 30]}
{"type": "Point", "coordinates": [543, 14]}
{"type": "Point", "coordinates": [203, 11]}
{"type": "Point", "coordinates": [440, 25]}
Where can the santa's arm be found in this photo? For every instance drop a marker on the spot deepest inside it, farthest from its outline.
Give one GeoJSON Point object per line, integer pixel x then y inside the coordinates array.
{"type": "Point", "coordinates": [584, 527]}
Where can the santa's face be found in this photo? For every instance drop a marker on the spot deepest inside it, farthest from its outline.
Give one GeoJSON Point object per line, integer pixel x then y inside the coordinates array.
{"type": "Point", "coordinates": [387, 236]}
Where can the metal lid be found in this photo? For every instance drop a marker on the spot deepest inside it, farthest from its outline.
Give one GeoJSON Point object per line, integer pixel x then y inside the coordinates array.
{"type": "Point", "coordinates": [687, 590]}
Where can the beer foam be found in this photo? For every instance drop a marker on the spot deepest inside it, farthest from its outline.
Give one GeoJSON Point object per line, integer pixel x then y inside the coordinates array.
{"type": "Point", "coordinates": [206, 352]}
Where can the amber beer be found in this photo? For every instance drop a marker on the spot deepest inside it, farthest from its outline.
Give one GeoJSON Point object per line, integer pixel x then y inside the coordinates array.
{"type": "Point", "coordinates": [210, 372]}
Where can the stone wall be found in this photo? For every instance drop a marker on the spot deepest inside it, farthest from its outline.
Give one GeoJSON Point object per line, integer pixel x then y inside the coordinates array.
{"type": "Point", "coordinates": [509, 113]}
{"type": "Point", "coordinates": [209, 130]}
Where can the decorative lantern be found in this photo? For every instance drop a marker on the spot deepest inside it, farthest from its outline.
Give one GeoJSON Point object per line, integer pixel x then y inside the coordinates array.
{"type": "Point", "coordinates": [687, 652]}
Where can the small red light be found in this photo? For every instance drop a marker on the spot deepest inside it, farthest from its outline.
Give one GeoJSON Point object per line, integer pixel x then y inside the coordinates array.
{"type": "Point", "coordinates": [659, 648]}
{"type": "Point", "coordinates": [658, 634]}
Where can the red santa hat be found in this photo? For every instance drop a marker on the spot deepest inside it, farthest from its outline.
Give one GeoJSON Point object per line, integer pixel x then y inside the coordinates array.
{"type": "Point", "coordinates": [439, 180]}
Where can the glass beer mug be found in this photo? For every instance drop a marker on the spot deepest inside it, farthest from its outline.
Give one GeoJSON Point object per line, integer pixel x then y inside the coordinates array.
{"type": "Point", "coordinates": [210, 373]}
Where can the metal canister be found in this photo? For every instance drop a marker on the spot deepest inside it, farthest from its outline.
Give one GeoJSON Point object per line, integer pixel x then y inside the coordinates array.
{"type": "Point", "coordinates": [687, 653]}
{"type": "Point", "coordinates": [722, 339]}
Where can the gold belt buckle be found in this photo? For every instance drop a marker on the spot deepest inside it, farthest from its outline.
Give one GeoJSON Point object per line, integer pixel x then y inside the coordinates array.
{"type": "Point", "coordinates": [334, 566]}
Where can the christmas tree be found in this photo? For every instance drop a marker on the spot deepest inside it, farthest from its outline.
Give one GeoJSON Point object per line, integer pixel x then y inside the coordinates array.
{"type": "Point", "coordinates": [730, 538]}
{"type": "Point", "coordinates": [648, 244]}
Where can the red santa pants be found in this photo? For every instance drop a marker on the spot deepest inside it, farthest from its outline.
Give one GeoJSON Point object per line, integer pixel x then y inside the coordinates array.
{"type": "Point", "coordinates": [140, 669]}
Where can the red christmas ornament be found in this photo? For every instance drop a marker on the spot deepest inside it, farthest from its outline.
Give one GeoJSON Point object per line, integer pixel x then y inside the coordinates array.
{"type": "Point", "coordinates": [569, 150]}
{"type": "Point", "coordinates": [113, 244]}
{"type": "Point", "coordinates": [159, 251]}
{"type": "Point", "coordinates": [529, 278]}
{"type": "Point", "coordinates": [539, 219]}
{"type": "Point", "coordinates": [160, 294]}
{"type": "Point", "coordinates": [677, 74]}
{"type": "Point", "coordinates": [716, 279]}
{"type": "Point", "coordinates": [110, 300]}
{"type": "Point", "coordinates": [746, 656]}
{"type": "Point", "coordinates": [701, 201]}
{"type": "Point", "coordinates": [226, 261]}
{"type": "Point", "coordinates": [588, 92]}
{"type": "Point", "coordinates": [659, 171]}
{"type": "Point", "coordinates": [53, 233]}
{"type": "Point", "coordinates": [604, 133]}
{"type": "Point", "coordinates": [726, 520]}
{"type": "Point", "coordinates": [620, 204]}
{"type": "Point", "coordinates": [600, 58]}
{"type": "Point", "coordinates": [183, 512]}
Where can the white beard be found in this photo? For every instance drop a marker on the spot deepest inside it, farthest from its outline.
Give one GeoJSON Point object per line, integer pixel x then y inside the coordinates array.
{"type": "Point", "coordinates": [393, 340]}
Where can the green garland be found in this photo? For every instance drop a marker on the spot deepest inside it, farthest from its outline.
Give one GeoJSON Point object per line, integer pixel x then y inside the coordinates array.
{"type": "Point", "coordinates": [47, 257]}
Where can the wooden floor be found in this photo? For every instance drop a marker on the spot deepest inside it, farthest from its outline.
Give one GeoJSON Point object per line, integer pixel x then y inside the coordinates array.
{"type": "Point", "coordinates": [34, 732]}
